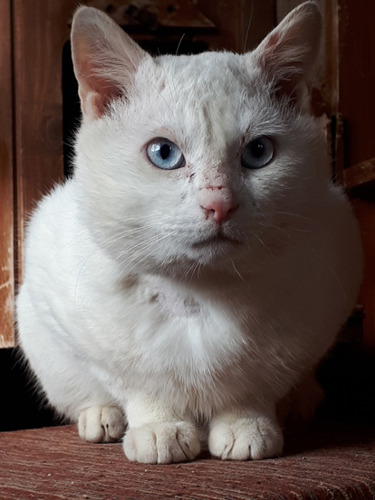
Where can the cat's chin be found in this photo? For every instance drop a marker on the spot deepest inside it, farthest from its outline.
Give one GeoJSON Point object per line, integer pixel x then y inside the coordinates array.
{"type": "Point", "coordinates": [201, 257]}
{"type": "Point", "coordinates": [189, 256]}
{"type": "Point", "coordinates": [216, 242]}
{"type": "Point", "coordinates": [215, 251]}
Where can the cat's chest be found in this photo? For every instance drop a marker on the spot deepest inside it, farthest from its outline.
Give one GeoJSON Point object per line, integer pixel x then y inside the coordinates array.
{"type": "Point", "coordinates": [170, 301]}
{"type": "Point", "coordinates": [189, 326]}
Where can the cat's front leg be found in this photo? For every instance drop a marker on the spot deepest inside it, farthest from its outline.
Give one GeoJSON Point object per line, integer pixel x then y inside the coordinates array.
{"type": "Point", "coordinates": [156, 435]}
{"type": "Point", "coordinates": [101, 424]}
{"type": "Point", "coordinates": [245, 435]}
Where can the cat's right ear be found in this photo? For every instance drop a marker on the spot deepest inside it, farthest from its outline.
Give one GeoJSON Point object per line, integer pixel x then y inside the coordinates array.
{"type": "Point", "coordinates": [105, 60]}
{"type": "Point", "coordinates": [289, 56]}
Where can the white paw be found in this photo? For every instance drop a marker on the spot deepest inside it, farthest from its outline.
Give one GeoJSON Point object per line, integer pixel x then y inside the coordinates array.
{"type": "Point", "coordinates": [162, 443]}
{"type": "Point", "coordinates": [101, 424]}
{"type": "Point", "coordinates": [245, 438]}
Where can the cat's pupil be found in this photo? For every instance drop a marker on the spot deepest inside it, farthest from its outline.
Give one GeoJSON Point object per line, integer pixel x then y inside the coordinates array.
{"type": "Point", "coordinates": [257, 149]}
{"type": "Point", "coordinates": [165, 154]}
{"type": "Point", "coordinates": [165, 151]}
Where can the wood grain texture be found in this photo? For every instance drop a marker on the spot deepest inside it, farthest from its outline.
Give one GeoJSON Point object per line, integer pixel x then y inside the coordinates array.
{"type": "Point", "coordinates": [360, 175]}
{"type": "Point", "coordinates": [40, 30]}
{"type": "Point", "coordinates": [357, 76]}
{"type": "Point", "coordinates": [241, 24]}
{"type": "Point", "coordinates": [329, 463]}
{"type": "Point", "coordinates": [6, 182]}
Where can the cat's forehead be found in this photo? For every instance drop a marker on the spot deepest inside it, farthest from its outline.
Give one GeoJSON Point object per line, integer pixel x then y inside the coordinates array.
{"type": "Point", "coordinates": [204, 72]}
{"type": "Point", "coordinates": [199, 95]}
{"type": "Point", "coordinates": [210, 77]}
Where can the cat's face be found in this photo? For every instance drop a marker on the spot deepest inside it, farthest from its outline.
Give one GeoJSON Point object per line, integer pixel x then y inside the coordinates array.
{"type": "Point", "coordinates": [201, 163]}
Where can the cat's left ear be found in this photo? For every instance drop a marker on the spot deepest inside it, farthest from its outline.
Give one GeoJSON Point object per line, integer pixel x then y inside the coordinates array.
{"type": "Point", "coordinates": [105, 60]}
{"type": "Point", "coordinates": [288, 56]}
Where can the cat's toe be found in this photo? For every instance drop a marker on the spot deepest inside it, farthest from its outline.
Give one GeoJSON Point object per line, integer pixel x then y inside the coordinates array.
{"type": "Point", "coordinates": [101, 424]}
{"type": "Point", "coordinates": [245, 438]}
{"type": "Point", "coordinates": [162, 443]}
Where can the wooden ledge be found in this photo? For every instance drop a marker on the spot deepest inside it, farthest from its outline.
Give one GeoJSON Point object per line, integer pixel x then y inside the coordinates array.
{"type": "Point", "coordinates": [359, 175]}
{"type": "Point", "coordinates": [329, 462]}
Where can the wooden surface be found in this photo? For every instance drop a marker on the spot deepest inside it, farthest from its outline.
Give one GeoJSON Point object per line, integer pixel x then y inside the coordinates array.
{"type": "Point", "coordinates": [234, 25]}
{"type": "Point", "coordinates": [40, 30]}
{"type": "Point", "coordinates": [6, 181]}
{"type": "Point", "coordinates": [329, 463]}
{"type": "Point", "coordinates": [360, 175]}
{"type": "Point", "coordinates": [32, 35]}
{"type": "Point", "coordinates": [244, 24]}
{"type": "Point", "coordinates": [357, 76]}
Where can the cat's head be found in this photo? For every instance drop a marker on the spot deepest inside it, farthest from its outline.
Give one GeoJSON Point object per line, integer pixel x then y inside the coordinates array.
{"type": "Point", "coordinates": [197, 160]}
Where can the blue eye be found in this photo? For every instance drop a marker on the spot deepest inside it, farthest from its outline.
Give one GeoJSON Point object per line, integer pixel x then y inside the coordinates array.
{"type": "Point", "coordinates": [258, 153]}
{"type": "Point", "coordinates": [165, 154]}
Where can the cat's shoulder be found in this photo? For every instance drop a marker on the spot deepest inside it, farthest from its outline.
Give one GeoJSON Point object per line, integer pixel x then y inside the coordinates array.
{"type": "Point", "coordinates": [54, 216]}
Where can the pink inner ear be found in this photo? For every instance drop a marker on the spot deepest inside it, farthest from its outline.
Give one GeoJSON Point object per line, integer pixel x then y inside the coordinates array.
{"type": "Point", "coordinates": [94, 104]}
{"type": "Point", "coordinates": [284, 66]}
{"type": "Point", "coordinates": [105, 60]}
{"type": "Point", "coordinates": [95, 90]}
{"type": "Point", "coordinates": [273, 40]}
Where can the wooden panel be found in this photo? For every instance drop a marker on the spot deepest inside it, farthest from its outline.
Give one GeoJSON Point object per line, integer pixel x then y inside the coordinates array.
{"type": "Point", "coordinates": [6, 182]}
{"type": "Point", "coordinates": [241, 24]}
{"type": "Point", "coordinates": [357, 76]}
{"type": "Point", "coordinates": [360, 175]}
{"type": "Point", "coordinates": [237, 26]}
{"type": "Point", "coordinates": [40, 31]}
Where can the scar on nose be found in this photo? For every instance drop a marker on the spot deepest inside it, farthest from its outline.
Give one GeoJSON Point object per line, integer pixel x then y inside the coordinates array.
{"type": "Point", "coordinates": [211, 187]}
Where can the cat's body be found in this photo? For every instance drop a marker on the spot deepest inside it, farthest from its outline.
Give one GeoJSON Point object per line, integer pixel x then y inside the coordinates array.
{"type": "Point", "coordinates": [198, 293]}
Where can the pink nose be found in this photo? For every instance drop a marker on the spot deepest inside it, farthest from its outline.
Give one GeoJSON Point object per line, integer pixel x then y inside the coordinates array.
{"type": "Point", "coordinates": [219, 210]}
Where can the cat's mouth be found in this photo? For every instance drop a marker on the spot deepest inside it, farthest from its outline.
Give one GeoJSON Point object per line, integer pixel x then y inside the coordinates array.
{"type": "Point", "coordinates": [216, 239]}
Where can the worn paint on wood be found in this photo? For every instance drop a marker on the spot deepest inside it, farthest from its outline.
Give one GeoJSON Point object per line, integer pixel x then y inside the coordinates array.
{"type": "Point", "coordinates": [6, 182]}
{"type": "Point", "coordinates": [40, 30]}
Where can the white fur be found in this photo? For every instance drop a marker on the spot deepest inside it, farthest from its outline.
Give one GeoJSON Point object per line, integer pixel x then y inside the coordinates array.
{"type": "Point", "coordinates": [122, 304]}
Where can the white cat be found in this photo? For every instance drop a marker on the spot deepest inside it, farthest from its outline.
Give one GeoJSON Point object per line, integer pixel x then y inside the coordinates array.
{"type": "Point", "coordinates": [201, 260]}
